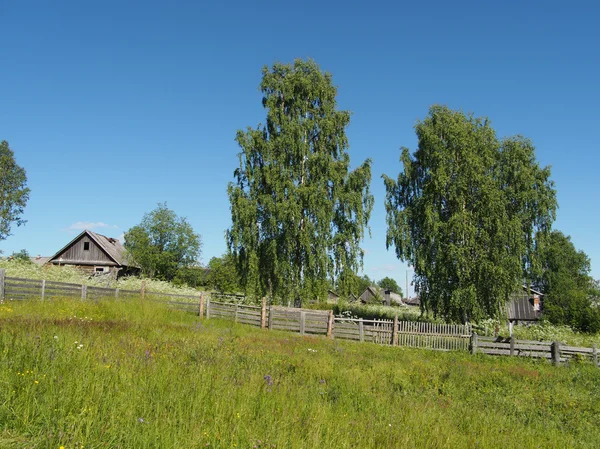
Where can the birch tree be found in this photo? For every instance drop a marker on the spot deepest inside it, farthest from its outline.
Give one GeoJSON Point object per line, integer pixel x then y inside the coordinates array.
{"type": "Point", "coordinates": [298, 209]}
{"type": "Point", "coordinates": [464, 213]}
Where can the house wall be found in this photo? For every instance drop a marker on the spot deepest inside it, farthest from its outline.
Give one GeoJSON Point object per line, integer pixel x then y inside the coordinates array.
{"type": "Point", "coordinates": [77, 253]}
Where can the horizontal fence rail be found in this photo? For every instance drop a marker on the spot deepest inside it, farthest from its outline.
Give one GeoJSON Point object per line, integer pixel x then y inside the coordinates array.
{"type": "Point", "coordinates": [435, 336]}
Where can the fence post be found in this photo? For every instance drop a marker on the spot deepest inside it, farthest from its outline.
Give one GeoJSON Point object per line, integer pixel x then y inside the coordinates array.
{"type": "Point", "coordinates": [235, 315]}
{"type": "Point", "coordinates": [330, 324]}
{"type": "Point", "coordinates": [43, 289]}
{"type": "Point", "coordinates": [595, 355]}
{"type": "Point", "coordinates": [83, 291]}
{"type": "Point", "coordinates": [2, 279]}
{"type": "Point", "coordinates": [201, 306]}
{"type": "Point", "coordinates": [117, 293]}
{"type": "Point", "coordinates": [555, 350]}
{"type": "Point", "coordinates": [512, 345]}
{"type": "Point", "coordinates": [474, 343]}
{"type": "Point", "coordinates": [302, 322]}
{"type": "Point", "coordinates": [395, 332]}
{"type": "Point", "coordinates": [143, 289]}
{"type": "Point", "coordinates": [270, 317]}
{"type": "Point", "coordinates": [361, 330]}
{"type": "Point", "coordinates": [263, 313]}
{"type": "Point", "coordinates": [208, 307]}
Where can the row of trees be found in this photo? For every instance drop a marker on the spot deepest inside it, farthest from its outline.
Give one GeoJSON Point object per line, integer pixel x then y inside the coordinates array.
{"type": "Point", "coordinates": [470, 211]}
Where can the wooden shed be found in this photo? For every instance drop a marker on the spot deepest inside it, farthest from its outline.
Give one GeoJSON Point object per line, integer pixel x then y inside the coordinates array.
{"type": "Point", "coordinates": [524, 307]}
{"type": "Point", "coordinates": [94, 253]}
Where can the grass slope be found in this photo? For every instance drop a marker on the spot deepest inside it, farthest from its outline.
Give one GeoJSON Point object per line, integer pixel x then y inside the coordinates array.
{"type": "Point", "coordinates": [136, 375]}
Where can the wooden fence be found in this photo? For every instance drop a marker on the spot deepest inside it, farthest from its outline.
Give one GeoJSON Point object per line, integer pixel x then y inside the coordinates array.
{"type": "Point", "coordinates": [551, 350]}
{"type": "Point", "coordinates": [445, 337]}
{"type": "Point", "coordinates": [15, 289]}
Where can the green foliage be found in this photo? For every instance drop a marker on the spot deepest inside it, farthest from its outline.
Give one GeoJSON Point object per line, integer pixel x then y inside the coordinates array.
{"type": "Point", "coordinates": [223, 275]}
{"type": "Point", "coordinates": [388, 283]}
{"type": "Point", "coordinates": [13, 191]}
{"type": "Point", "coordinates": [349, 283]}
{"type": "Point", "coordinates": [464, 212]}
{"type": "Point", "coordinates": [21, 256]}
{"type": "Point", "coordinates": [298, 211]}
{"type": "Point", "coordinates": [163, 243]}
{"type": "Point", "coordinates": [568, 289]}
{"type": "Point", "coordinates": [194, 277]}
{"type": "Point", "coordinates": [137, 375]}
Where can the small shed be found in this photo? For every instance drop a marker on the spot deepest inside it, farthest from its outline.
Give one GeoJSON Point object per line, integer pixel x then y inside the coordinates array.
{"type": "Point", "coordinates": [524, 307]}
{"type": "Point", "coordinates": [93, 253]}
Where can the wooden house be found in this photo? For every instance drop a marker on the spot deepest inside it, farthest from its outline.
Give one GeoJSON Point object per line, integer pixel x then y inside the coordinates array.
{"type": "Point", "coordinates": [93, 253]}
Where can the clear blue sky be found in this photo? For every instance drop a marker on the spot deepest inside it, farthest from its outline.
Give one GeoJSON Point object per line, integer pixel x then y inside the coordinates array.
{"type": "Point", "coordinates": [112, 107]}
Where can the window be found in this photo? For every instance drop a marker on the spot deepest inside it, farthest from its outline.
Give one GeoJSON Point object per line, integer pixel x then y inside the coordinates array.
{"type": "Point", "coordinates": [86, 246]}
{"type": "Point", "coordinates": [99, 269]}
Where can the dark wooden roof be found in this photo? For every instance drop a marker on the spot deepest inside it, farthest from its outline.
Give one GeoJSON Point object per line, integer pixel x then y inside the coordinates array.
{"type": "Point", "coordinates": [522, 305]}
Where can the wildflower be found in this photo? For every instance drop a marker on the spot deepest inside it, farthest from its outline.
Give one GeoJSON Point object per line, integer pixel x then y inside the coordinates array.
{"type": "Point", "coordinates": [322, 381]}
{"type": "Point", "coordinates": [56, 337]}
{"type": "Point", "coordinates": [268, 379]}
{"type": "Point", "coordinates": [141, 420]}
{"type": "Point", "coordinates": [35, 382]}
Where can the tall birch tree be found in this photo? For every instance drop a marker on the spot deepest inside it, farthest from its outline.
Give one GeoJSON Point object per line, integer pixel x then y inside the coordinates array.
{"type": "Point", "coordinates": [464, 213]}
{"type": "Point", "coordinates": [298, 210]}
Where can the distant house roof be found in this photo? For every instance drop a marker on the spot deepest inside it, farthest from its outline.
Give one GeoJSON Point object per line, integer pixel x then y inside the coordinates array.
{"type": "Point", "coordinates": [525, 305]}
{"type": "Point", "coordinates": [414, 301]}
{"type": "Point", "coordinates": [39, 260]}
{"type": "Point", "coordinates": [110, 246]}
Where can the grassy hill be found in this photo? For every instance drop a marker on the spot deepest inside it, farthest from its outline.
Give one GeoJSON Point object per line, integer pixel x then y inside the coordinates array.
{"type": "Point", "coordinates": [136, 375]}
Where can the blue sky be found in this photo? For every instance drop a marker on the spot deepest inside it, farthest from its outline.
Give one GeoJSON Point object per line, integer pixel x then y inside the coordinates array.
{"type": "Point", "coordinates": [112, 107]}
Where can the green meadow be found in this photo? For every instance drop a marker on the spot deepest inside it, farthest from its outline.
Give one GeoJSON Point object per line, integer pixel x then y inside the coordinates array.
{"type": "Point", "coordinates": [140, 375]}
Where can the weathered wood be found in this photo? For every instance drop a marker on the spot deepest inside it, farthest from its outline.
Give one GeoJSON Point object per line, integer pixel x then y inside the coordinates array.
{"type": "Point", "coordinates": [361, 330]}
{"type": "Point", "coordinates": [43, 292]}
{"type": "Point", "coordinates": [143, 289]}
{"type": "Point", "coordinates": [201, 306]}
{"type": "Point", "coordinates": [512, 345]}
{"type": "Point", "coordinates": [208, 307]}
{"type": "Point", "coordinates": [555, 352]}
{"type": "Point", "coordinates": [474, 343]}
{"type": "Point", "coordinates": [330, 324]}
{"type": "Point", "coordinates": [263, 313]}
{"type": "Point", "coordinates": [595, 355]}
{"type": "Point", "coordinates": [395, 332]}
{"type": "Point", "coordinates": [270, 323]}
{"type": "Point", "coordinates": [83, 291]}
{"type": "Point", "coordinates": [302, 322]}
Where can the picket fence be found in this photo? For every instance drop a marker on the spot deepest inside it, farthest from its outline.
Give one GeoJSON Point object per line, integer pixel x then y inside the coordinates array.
{"type": "Point", "coordinates": [444, 337]}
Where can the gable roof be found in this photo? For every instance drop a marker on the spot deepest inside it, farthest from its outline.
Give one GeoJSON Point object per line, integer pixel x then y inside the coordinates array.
{"type": "Point", "coordinates": [110, 246]}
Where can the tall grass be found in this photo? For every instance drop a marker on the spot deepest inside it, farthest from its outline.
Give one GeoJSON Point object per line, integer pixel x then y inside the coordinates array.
{"type": "Point", "coordinates": [137, 375]}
